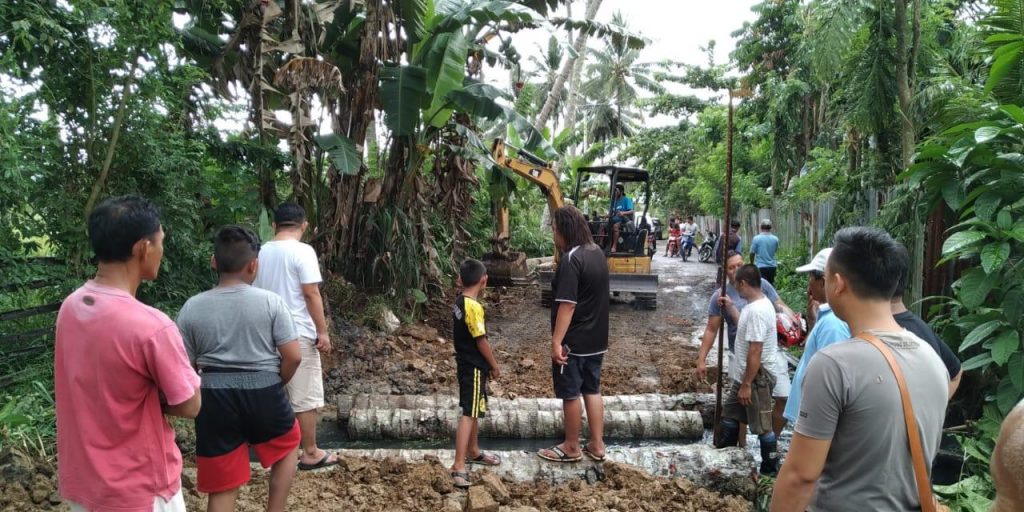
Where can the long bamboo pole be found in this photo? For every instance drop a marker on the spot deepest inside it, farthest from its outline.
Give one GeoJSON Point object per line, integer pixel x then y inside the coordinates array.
{"type": "Point", "coordinates": [723, 243]}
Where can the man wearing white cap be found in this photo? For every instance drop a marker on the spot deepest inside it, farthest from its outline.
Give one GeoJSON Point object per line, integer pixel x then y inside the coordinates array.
{"type": "Point", "coordinates": [827, 330]}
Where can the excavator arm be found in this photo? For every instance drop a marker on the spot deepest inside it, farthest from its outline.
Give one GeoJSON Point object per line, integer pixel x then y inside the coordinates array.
{"type": "Point", "coordinates": [531, 169]}
{"type": "Point", "coordinates": [503, 264]}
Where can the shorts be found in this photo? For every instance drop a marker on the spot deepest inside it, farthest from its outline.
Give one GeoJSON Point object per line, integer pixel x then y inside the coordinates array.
{"type": "Point", "coordinates": [472, 390]}
{"type": "Point", "coordinates": [580, 375]}
{"type": "Point", "coordinates": [757, 415]}
{"type": "Point", "coordinates": [175, 504]}
{"type": "Point", "coordinates": [768, 273]}
{"type": "Point", "coordinates": [782, 383]}
{"type": "Point", "coordinates": [306, 389]}
{"type": "Point", "coordinates": [241, 409]}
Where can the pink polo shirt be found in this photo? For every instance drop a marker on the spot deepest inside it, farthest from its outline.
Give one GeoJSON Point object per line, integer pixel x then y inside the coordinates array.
{"type": "Point", "coordinates": [115, 357]}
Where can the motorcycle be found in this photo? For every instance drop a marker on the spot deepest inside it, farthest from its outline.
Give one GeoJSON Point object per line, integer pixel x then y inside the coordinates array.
{"type": "Point", "coordinates": [687, 246]}
{"type": "Point", "coordinates": [673, 246]}
{"type": "Point", "coordinates": [707, 248]}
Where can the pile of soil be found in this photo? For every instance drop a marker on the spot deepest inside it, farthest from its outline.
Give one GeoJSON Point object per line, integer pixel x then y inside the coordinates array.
{"type": "Point", "coordinates": [27, 483]}
{"type": "Point", "coordinates": [393, 485]}
{"type": "Point", "coordinates": [649, 352]}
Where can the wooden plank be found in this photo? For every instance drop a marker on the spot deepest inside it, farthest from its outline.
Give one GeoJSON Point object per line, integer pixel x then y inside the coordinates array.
{"type": "Point", "coordinates": [25, 350]}
{"type": "Point", "coordinates": [30, 285]}
{"type": "Point", "coordinates": [27, 335]}
{"type": "Point", "coordinates": [16, 377]}
{"type": "Point", "coordinates": [27, 312]}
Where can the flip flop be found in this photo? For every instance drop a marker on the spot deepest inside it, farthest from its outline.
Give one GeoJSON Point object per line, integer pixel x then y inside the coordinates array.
{"type": "Point", "coordinates": [562, 457]}
{"type": "Point", "coordinates": [460, 479]}
{"type": "Point", "coordinates": [484, 459]}
{"type": "Point", "coordinates": [595, 457]}
{"type": "Point", "coordinates": [322, 463]}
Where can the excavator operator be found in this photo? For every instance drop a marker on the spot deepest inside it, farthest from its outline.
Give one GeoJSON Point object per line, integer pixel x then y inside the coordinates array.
{"type": "Point", "coordinates": [623, 213]}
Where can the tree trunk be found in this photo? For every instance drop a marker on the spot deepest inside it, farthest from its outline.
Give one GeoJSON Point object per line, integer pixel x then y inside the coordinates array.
{"type": "Point", "coordinates": [903, 91]}
{"type": "Point", "coordinates": [115, 134]}
{"type": "Point", "coordinates": [701, 402]}
{"type": "Point", "coordinates": [556, 90]}
{"type": "Point", "coordinates": [409, 424]}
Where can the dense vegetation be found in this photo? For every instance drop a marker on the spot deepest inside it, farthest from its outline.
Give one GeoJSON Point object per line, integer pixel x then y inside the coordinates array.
{"type": "Point", "coordinates": [377, 117]}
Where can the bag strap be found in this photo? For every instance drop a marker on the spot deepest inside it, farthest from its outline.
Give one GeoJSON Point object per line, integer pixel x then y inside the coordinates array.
{"type": "Point", "coordinates": [924, 486]}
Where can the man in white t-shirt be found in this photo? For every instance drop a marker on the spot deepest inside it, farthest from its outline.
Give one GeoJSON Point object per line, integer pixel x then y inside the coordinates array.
{"type": "Point", "coordinates": [291, 269]}
{"type": "Point", "coordinates": [753, 376]}
{"type": "Point", "coordinates": [689, 230]}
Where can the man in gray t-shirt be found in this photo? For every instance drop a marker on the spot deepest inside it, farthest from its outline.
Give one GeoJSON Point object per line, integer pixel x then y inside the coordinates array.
{"type": "Point", "coordinates": [237, 326]}
{"type": "Point", "coordinates": [851, 451]}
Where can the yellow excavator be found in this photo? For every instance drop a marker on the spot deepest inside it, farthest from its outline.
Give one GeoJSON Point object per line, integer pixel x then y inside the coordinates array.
{"type": "Point", "coordinates": [629, 267]}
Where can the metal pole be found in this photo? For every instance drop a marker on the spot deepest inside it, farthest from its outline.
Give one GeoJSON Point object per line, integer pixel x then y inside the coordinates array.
{"type": "Point", "coordinates": [724, 241]}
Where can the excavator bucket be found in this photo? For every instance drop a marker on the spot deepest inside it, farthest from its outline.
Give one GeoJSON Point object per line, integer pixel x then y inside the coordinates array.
{"type": "Point", "coordinates": [505, 269]}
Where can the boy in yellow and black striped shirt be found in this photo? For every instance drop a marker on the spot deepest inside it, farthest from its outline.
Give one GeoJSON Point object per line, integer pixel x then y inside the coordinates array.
{"type": "Point", "coordinates": [475, 366]}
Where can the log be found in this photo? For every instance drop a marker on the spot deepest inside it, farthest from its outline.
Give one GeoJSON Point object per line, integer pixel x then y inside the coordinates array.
{"type": "Point", "coordinates": [409, 424]}
{"type": "Point", "coordinates": [702, 402]}
{"type": "Point", "coordinates": [727, 470]}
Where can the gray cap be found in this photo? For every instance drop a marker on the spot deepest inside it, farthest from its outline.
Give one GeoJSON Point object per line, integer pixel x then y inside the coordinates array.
{"type": "Point", "coordinates": [817, 263]}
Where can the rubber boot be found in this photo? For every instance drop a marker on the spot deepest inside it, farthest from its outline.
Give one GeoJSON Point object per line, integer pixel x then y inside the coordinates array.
{"type": "Point", "coordinates": [769, 456]}
{"type": "Point", "coordinates": [730, 434]}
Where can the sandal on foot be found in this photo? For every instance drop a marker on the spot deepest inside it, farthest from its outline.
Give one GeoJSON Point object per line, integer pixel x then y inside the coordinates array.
{"type": "Point", "coordinates": [460, 479]}
{"type": "Point", "coordinates": [595, 457]}
{"type": "Point", "coordinates": [322, 463]}
{"type": "Point", "coordinates": [484, 459]}
{"type": "Point", "coordinates": [560, 456]}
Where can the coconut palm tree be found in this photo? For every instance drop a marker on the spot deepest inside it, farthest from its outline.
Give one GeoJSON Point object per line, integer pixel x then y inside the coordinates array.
{"type": "Point", "coordinates": [612, 87]}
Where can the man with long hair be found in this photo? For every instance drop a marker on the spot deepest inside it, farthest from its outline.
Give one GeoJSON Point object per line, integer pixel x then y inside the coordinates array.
{"type": "Point", "coordinates": [579, 335]}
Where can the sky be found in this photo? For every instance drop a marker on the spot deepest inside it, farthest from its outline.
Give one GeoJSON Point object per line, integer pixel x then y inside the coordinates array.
{"type": "Point", "coordinates": [676, 29]}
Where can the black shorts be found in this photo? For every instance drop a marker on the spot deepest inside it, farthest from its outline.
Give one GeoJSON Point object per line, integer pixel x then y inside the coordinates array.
{"type": "Point", "coordinates": [472, 390]}
{"type": "Point", "coordinates": [241, 409]}
{"type": "Point", "coordinates": [581, 375]}
{"type": "Point", "coordinates": [768, 274]}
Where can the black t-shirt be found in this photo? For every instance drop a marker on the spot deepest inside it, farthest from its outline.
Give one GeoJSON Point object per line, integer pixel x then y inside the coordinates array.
{"type": "Point", "coordinates": [582, 279]}
{"type": "Point", "coordinates": [913, 323]}
{"type": "Point", "coordinates": [468, 326]}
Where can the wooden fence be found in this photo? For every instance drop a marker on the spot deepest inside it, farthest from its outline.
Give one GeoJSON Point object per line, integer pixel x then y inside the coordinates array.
{"type": "Point", "coordinates": [28, 330]}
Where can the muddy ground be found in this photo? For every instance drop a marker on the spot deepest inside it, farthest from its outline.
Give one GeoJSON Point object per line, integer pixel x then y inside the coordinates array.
{"type": "Point", "coordinates": [392, 485]}
{"type": "Point", "coordinates": [649, 351]}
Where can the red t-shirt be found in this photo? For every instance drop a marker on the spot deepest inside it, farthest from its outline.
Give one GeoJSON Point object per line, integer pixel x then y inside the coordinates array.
{"type": "Point", "coordinates": [115, 357]}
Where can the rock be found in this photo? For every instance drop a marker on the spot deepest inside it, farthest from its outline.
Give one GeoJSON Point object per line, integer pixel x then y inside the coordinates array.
{"type": "Point", "coordinates": [388, 322]}
{"type": "Point", "coordinates": [420, 332]}
{"type": "Point", "coordinates": [15, 467]}
{"type": "Point", "coordinates": [479, 500]}
{"type": "Point", "coordinates": [527, 363]}
{"type": "Point", "coordinates": [54, 498]}
{"type": "Point", "coordinates": [496, 488]}
{"type": "Point", "coordinates": [41, 490]}
{"type": "Point", "coordinates": [453, 504]}
{"type": "Point", "coordinates": [188, 479]}
{"type": "Point", "coordinates": [521, 508]}
{"type": "Point", "coordinates": [418, 364]}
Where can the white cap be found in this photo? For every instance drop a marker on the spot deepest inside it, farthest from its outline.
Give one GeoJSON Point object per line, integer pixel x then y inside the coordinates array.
{"type": "Point", "coordinates": [817, 264]}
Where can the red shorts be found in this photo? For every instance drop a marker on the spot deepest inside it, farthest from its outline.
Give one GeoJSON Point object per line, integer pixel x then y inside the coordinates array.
{"type": "Point", "coordinates": [232, 420]}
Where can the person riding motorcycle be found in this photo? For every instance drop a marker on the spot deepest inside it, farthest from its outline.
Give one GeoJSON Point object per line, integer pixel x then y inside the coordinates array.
{"type": "Point", "coordinates": [689, 232]}
{"type": "Point", "coordinates": [674, 234]}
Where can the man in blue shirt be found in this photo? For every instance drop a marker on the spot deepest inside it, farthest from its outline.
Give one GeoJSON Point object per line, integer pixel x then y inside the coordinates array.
{"type": "Point", "coordinates": [623, 207]}
{"type": "Point", "coordinates": [828, 328]}
{"type": "Point", "coordinates": [762, 251]}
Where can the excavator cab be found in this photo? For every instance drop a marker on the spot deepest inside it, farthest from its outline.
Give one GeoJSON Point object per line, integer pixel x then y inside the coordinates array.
{"type": "Point", "coordinates": [634, 231]}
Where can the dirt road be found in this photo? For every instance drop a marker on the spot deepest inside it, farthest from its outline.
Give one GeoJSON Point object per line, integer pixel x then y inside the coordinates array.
{"type": "Point", "coordinates": [649, 351]}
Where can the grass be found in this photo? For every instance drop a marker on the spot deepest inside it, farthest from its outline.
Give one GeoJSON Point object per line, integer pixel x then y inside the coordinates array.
{"type": "Point", "coordinates": [28, 421]}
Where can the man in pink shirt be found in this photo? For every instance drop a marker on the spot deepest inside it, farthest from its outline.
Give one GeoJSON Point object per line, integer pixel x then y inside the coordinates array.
{"type": "Point", "coordinates": [119, 366]}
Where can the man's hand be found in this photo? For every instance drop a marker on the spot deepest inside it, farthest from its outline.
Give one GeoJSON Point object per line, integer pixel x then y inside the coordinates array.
{"type": "Point", "coordinates": [725, 302]}
{"type": "Point", "coordinates": [702, 370]}
{"type": "Point", "coordinates": [495, 372]}
{"type": "Point", "coordinates": [559, 354]}
{"type": "Point", "coordinates": [744, 395]}
{"type": "Point", "coordinates": [323, 342]}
